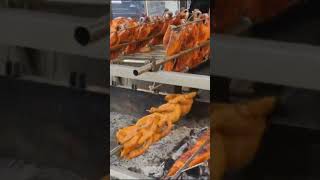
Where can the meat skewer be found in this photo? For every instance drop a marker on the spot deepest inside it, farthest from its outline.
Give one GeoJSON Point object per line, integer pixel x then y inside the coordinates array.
{"type": "Point", "coordinates": [136, 139]}
{"type": "Point", "coordinates": [192, 157]}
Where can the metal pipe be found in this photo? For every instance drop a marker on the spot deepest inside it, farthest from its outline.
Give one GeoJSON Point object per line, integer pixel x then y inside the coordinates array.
{"type": "Point", "coordinates": [92, 32]}
{"type": "Point", "coordinates": [153, 65]}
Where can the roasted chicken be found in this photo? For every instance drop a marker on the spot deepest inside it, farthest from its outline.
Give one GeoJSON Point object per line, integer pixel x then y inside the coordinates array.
{"type": "Point", "coordinates": [137, 138]}
{"type": "Point", "coordinates": [204, 155]}
{"type": "Point", "coordinates": [237, 130]}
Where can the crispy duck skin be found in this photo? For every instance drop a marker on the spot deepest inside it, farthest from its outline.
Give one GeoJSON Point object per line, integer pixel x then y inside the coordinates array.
{"type": "Point", "coordinates": [187, 37]}
{"type": "Point", "coordinates": [205, 155]}
{"type": "Point", "coordinates": [173, 111]}
{"type": "Point", "coordinates": [149, 129]}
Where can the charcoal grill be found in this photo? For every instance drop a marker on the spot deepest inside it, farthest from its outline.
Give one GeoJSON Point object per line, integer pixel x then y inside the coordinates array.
{"type": "Point", "coordinates": [125, 107]}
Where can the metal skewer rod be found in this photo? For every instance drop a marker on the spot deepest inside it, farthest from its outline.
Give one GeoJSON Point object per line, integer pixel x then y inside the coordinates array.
{"type": "Point", "coordinates": [133, 42]}
{"type": "Point", "coordinates": [151, 66]}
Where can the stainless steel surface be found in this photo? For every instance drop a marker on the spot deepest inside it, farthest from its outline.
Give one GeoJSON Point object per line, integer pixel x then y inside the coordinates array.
{"type": "Point", "coordinates": [155, 64]}
{"type": "Point", "coordinates": [266, 61]}
{"type": "Point", "coordinates": [170, 78]}
{"type": "Point", "coordinates": [31, 29]}
{"type": "Point", "coordinates": [121, 173]}
{"type": "Point", "coordinates": [92, 32]}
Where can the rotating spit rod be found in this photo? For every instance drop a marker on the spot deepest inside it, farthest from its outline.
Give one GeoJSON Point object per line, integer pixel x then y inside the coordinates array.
{"type": "Point", "coordinates": [91, 32]}
{"type": "Point", "coordinates": [185, 166]}
{"type": "Point", "coordinates": [154, 65]}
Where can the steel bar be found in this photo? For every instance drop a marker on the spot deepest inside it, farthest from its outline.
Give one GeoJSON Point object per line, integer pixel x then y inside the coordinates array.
{"type": "Point", "coordinates": [171, 78]}
{"type": "Point", "coordinates": [151, 66]}
{"type": "Point", "coordinates": [125, 174]}
{"type": "Point", "coordinates": [92, 32]}
{"type": "Point", "coordinates": [25, 28]}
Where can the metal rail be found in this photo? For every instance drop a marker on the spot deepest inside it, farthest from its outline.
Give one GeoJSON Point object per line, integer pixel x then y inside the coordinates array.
{"type": "Point", "coordinates": [171, 78]}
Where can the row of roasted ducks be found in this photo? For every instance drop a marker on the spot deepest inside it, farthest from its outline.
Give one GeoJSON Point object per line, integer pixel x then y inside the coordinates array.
{"type": "Point", "coordinates": [192, 33]}
{"type": "Point", "coordinates": [137, 138]}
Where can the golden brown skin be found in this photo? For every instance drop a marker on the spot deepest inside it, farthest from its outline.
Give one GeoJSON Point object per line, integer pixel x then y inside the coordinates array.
{"type": "Point", "coordinates": [237, 130]}
{"type": "Point", "coordinates": [185, 101]}
{"type": "Point", "coordinates": [173, 111]}
{"type": "Point", "coordinates": [197, 159]}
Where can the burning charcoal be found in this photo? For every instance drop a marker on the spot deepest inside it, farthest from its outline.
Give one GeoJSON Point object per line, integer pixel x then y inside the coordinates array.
{"type": "Point", "coordinates": [182, 142]}
{"type": "Point", "coordinates": [168, 164]}
{"type": "Point", "coordinates": [192, 133]}
{"type": "Point", "coordinates": [134, 169]}
{"type": "Point", "coordinates": [194, 172]}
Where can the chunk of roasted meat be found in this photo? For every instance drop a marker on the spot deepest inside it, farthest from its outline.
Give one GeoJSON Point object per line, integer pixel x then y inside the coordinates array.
{"type": "Point", "coordinates": [203, 156]}
{"type": "Point", "coordinates": [137, 138]}
{"type": "Point", "coordinates": [237, 130]}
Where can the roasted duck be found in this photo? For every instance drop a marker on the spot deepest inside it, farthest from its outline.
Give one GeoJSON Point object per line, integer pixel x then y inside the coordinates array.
{"type": "Point", "coordinates": [137, 138]}
{"type": "Point", "coordinates": [237, 130]}
{"type": "Point", "coordinates": [203, 156]}
{"type": "Point", "coordinates": [186, 37]}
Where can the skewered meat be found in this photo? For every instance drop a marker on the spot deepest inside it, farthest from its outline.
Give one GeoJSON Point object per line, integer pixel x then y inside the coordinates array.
{"type": "Point", "coordinates": [203, 156]}
{"type": "Point", "coordinates": [184, 100]}
{"type": "Point", "coordinates": [189, 40]}
{"type": "Point", "coordinates": [237, 130]}
{"type": "Point", "coordinates": [121, 31]}
{"type": "Point", "coordinates": [185, 37]}
{"type": "Point", "coordinates": [163, 25]}
{"type": "Point", "coordinates": [174, 46]}
{"type": "Point", "coordinates": [177, 20]}
{"type": "Point", "coordinates": [137, 138]}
